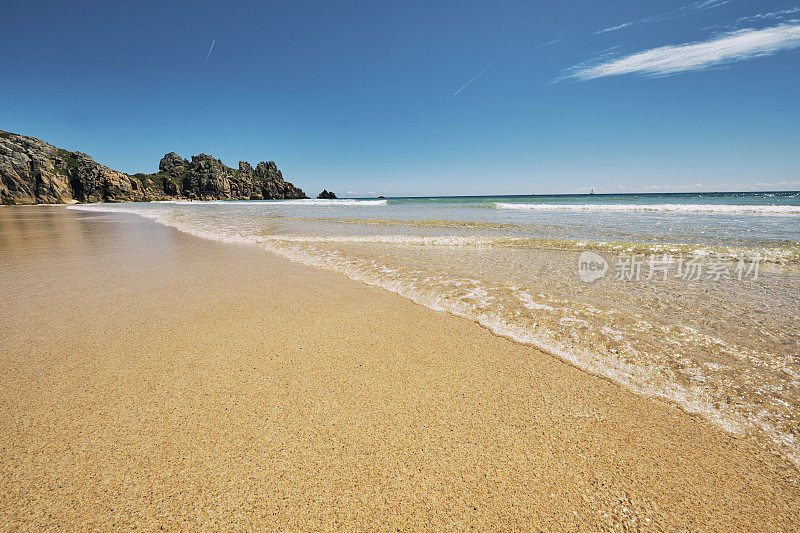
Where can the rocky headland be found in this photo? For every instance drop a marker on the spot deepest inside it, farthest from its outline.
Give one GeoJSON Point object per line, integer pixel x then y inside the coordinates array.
{"type": "Point", "coordinates": [35, 172]}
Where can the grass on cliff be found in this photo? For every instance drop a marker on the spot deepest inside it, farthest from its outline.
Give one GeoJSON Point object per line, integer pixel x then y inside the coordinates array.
{"type": "Point", "coordinates": [69, 162]}
{"type": "Point", "coordinates": [159, 178]}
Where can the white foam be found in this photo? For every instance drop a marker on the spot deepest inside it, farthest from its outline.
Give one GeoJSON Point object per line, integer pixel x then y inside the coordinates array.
{"type": "Point", "coordinates": [529, 303]}
{"type": "Point", "coordinates": [319, 202]}
{"type": "Point", "coordinates": [420, 240]}
{"type": "Point", "coordinates": [309, 202]}
{"type": "Point", "coordinates": [668, 208]}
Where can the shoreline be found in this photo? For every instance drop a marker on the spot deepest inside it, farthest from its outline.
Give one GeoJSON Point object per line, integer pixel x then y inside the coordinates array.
{"type": "Point", "coordinates": [150, 375]}
{"type": "Point", "coordinates": [714, 407]}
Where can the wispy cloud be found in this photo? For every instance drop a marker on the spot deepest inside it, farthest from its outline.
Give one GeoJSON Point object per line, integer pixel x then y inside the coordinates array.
{"type": "Point", "coordinates": [700, 5]}
{"type": "Point", "coordinates": [209, 51]}
{"type": "Point", "coordinates": [707, 4]}
{"type": "Point", "coordinates": [665, 60]}
{"type": "Point", "coordinates": [778, 14]}
{"type": "Point", "coordinates": [629, 24]}
{"type": "Point", "coordinates": [618, 27]}
{"type": "Point", "coordinates": [773, 15]}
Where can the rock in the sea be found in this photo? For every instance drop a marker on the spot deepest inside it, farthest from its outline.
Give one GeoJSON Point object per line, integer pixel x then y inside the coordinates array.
{"type": "Point", "coordinates": [326, 195]}
{"type": "Point", "coordinates": [32, 171]}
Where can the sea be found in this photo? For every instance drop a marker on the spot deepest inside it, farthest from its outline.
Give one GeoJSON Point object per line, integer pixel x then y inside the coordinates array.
{"type": "Point", "coordinates": [691, 299]}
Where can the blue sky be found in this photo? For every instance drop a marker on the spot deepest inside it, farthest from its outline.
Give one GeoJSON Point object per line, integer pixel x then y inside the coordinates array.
{"type": "Point", "coordinates": [369, 98]}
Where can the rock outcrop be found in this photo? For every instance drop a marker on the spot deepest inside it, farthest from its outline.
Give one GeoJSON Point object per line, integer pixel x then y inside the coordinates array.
{"type": "Point", "coordinates": [205, 177]}
{"type": "Point", "coordinates": [326, 195]}
{"type": "Point", "coordinates": [34, 172]}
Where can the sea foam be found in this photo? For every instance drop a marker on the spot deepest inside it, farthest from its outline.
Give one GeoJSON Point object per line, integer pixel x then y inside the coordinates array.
{"type": "Point", "coordinates": [669, 208]}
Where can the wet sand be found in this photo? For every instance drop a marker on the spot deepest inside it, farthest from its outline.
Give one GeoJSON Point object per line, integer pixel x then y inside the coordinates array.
{"type": "Point", "coordinates": [149, 378]}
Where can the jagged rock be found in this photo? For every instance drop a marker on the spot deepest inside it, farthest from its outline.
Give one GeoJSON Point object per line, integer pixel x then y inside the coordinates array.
{"type": "Point", "coordinates": [32, 171]}
{"type": "Point", "coordinates": [268, 181]}
{"type": "Point", "coordinates": [245, 168]}
{"type": "Point", "coordinates": [171, 188]}
{"type": "Point", "coordinates": [169, 161]}
{"type": "Point", "coordinates": [326, 195]}
{"type": "Point", "coordinates": [208, 177]}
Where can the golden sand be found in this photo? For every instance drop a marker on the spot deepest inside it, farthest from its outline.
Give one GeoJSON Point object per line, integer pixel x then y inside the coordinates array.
{"type": "Point", "coordinates": [149, 378]}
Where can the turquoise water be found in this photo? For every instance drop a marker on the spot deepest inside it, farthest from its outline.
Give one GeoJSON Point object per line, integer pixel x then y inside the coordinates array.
{"type": "Point", "coordinates": [711, 218]}
{"type": "Point", "coordinates": [721, 342]}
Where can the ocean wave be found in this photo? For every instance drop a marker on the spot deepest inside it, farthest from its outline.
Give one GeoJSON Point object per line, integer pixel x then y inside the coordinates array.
{"type": "Point", "coordinates": [668, 208]}
{"type": "Point", "coordinates": [327, 203]}
{"type": "Point", "coordinates": [420, 240]}
{"type": "Point", "coordinates": [784, 253]}
{"type": "Point", "coordinates": [303, 201]}
{"type": "Point", "coordinates": [414, 223]}
{"type": "Point", "coordinates": [775, 254]}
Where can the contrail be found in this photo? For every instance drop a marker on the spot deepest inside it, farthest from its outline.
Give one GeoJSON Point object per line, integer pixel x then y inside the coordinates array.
{"type": "Point", "coordinates": [496, 59]}
{"type": "Point", "coordinates": [209, 52]}
{"type": "Point", "coordinates": [479, 73]}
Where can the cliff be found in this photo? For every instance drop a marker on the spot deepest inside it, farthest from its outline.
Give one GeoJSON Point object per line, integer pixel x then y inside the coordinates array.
{"type": "Point", "coordinates": [34, 172]}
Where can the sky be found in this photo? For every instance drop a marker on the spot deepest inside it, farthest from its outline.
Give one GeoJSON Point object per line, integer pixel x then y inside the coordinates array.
{"type": "Point", "coordinates": [420, 98]}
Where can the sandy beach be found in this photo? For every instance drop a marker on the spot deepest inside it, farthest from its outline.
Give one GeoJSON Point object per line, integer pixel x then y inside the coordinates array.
{"type": "Point", "coordinates": [154, 379]}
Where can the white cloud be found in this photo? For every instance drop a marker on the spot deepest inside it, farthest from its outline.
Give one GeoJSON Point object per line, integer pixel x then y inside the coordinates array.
{"type": "Point", "coordinates": [631, 23]}
{"type": "Point", "coordinates": [694, 186]}
{"type": "Point", "coordinates": [784, 15]}
{"type": "Point", "coordinates": [676, 13]}
{"type": "Point", "coordinates": [771, 15]}
{"type": "Point", "coordinates": [723, 49]}
{"type": "Point", "coordinates": [618, 27]}
{"type": "Point", "coordinates": [780, 13]}
{"type": "Point", "coordinates": [778, 184]}
{"type": "Point", "coordinates": [707, 4]}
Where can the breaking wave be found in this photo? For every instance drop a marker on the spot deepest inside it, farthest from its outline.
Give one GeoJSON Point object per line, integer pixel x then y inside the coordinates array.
{"type": "Point", "coordinates": [349, 202]}
{"type": "Point", "coordinates": [667, 208]}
